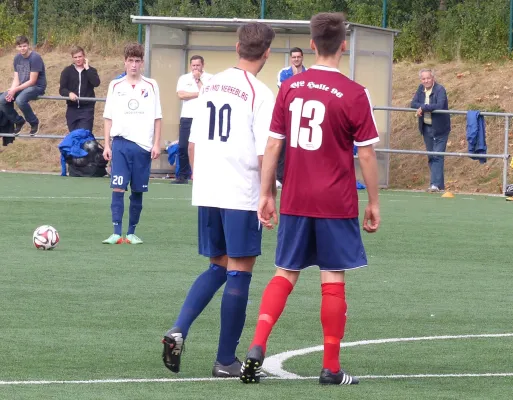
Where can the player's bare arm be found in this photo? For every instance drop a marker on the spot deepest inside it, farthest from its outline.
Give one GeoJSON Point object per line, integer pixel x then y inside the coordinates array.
{"type": "Point", "coordinates": [107, 151]}
{"type": "Point", "coordinates": [155, 151]}
{"type": "Point", "coordinates": [267, 204]}
{"type": "Point", "coordinates": [274, 189]}
{"type": "Point", "coordinates": [269, 165]}
{"type": "Point", "coordinates": [369, 167]}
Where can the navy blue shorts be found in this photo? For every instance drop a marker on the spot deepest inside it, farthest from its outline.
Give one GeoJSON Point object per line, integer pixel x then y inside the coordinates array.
{"type": "Point", "coordinates": [235, 233]}
{"type": "Point", "coordinates": [130, 163]}
{"type": "Point", "coordinates": [332, 244]}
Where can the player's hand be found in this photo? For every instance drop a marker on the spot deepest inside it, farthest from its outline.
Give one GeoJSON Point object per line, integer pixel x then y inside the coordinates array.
{"type": "Point", "coordinates": [196, 74]}
{"type": "Point", "coordinates": [155, 152]}
{"type": "Point", "coordinates": [419, 112]}
{"type": "Point", "coordinates": [371, 219]}
{"type": "Point", "coordinates": [73, 96]}
{"type": "Point", "coordinates": [267, 212]}
{"type": "Point", "coordinates": [86, 63]}
{"type": "Point", "coordinates": [107, 153]}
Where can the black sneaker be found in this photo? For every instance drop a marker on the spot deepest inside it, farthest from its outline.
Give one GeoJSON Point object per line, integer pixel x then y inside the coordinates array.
{"type": "Point", "coordinates": [180, 181]}
{"type": "Point", "coordinates": [173, 348]}
{"type": "Point", "coordinates": [17, 127]}
{"type": "Point", "coordinates": [34, 129]}
{"type": "Point", "coordinates": [340, 378]}
{"type": "Point", "coordinates": [227, 371]}
{"type": "Point", "coordinates": [251, 369]}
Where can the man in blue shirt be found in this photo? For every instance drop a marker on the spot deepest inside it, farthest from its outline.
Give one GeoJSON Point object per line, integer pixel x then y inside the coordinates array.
{"type": "Point", "coordinates": [28, 83]}
{"type": "Point", "coordinates": [296, 59]}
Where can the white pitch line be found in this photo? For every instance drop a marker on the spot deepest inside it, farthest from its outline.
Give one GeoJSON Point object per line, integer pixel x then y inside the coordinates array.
{"type": "Point", "coordinates": [485, 375]}
{"type": "Point", "coordinates": [274, 364]}
{"type": "Point", "coordinates": [185, 380]}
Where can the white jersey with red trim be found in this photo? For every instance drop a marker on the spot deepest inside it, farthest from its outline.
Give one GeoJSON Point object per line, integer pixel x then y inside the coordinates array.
{"type": "Point", "coordinates": [230, 130]}
{"type": "Point", "coordinates": [133, 110]}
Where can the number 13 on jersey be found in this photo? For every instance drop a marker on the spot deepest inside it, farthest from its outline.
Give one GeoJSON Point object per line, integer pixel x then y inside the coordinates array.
{"type": "Point", "coordinates": [307, 138]}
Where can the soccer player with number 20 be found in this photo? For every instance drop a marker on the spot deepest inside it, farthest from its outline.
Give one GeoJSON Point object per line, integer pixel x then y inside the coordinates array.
{"type": "Point", "coordinates": [133, 118]}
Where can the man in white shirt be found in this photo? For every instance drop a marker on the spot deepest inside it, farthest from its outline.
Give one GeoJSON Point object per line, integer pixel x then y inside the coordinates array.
{"type": "Point", "coordinates": [133, 119]}
{"type": "Point", "coordinates": [228, 138]}
{"type": "Point", "coordinates": [187, 89]}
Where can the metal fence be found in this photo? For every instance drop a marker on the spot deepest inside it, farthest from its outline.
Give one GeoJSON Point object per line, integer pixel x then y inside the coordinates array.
{"type": "Point", "coordinates": [504, 156]}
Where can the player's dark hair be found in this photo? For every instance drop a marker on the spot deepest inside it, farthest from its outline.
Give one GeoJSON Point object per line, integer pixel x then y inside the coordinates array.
{"type": "Point", "coordinates": [196, 57]}
{"type": "Point", "coordinates": [76, 50]}
{"type": "Point", "coordinates": [134, 50]}
{"type": "Point", "coordinates": [254, 40]}
{"type": "Point", "coordinates": [296, 50]}
{"type": "Point", "coordinates": [22, 39]}
{"type": "Point", "coordinates": [328, 31]}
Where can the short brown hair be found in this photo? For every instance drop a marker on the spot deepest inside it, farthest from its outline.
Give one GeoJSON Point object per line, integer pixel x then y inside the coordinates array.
{"type": "Point", "coordinates": [134, 50]}
{"type": "Point", "coordinates": [328, 31]}
{"type": "Point", "coordinates": [22, 39]}
{"type": "Point", "coordinates": [196, 57]}
{"type": "Point", "coordinates": [76, 50]}
{"type": "Point", "coordinates": [254, 40]}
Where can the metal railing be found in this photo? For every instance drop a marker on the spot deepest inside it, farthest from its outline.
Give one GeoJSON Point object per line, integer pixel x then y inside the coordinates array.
{"type": "Point", "coordinates": [505, 156]}
{"type": "Point", "coordinates": [55, 136]}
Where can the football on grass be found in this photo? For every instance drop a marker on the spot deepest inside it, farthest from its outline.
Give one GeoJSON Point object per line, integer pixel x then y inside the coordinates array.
{"type": "Point", "coordinates": [45, 237]}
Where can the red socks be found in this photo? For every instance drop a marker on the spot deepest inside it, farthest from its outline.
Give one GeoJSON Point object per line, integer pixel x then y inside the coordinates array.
{"type": "Point", "coordinates": [274, 299]}
{"type": "Point", "coordinates": [333, 319]}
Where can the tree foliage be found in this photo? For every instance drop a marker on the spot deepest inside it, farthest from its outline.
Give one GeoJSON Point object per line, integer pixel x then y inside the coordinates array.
{"type": "Point", "coordinates": [446, 29]}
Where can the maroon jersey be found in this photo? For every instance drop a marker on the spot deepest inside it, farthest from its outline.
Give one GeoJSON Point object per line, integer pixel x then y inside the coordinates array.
{"type": "Point", "coordinates": [321, 114]}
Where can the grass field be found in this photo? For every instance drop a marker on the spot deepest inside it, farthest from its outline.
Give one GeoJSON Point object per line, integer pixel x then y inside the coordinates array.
{"type": "Point", "coordinates": [94, 313]}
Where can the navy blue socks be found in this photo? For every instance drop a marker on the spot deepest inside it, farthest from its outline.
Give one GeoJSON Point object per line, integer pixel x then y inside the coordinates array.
{"type": "Point", "coordinates": [135, 211]}
{"type": "Point", "coordinates": [233, 314]}
{"type": "Point", "coordinates": [117, 208]}
{"type": "Point", "coordinates": [199, 295]}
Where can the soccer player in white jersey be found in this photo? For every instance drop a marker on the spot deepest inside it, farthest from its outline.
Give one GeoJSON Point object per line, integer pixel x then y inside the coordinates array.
{"type": "Point", "coordinates": [228, 137]}
{"type": "Point", "coordinates": [133, 119]}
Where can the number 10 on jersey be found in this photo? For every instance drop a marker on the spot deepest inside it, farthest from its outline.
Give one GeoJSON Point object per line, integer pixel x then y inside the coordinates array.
{"type": "Point", "coordinates": [225, 115]}
{"type": "Point", "coordinates": [306, 138]}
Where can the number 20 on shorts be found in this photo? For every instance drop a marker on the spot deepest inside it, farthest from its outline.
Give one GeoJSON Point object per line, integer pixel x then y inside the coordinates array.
{"type": "Point", "coordinates": [117, 180]}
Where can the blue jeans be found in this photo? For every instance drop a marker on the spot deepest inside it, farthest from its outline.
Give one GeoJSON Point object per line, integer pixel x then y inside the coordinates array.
{"type": "Point", "coordinates": [435, 142]}
{"type": "Point", "coordinates": [22, 100]}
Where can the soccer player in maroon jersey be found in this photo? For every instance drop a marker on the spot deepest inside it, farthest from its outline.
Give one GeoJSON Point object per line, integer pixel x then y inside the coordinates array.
{"type": "Point", "coordinates": [321, 114]}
